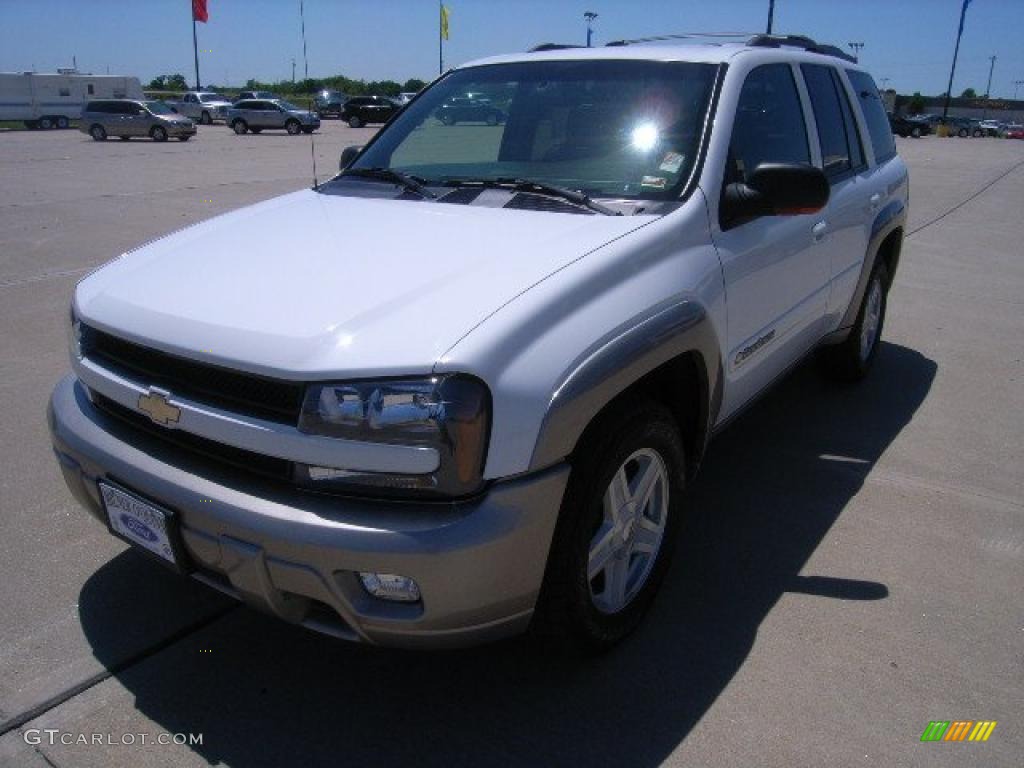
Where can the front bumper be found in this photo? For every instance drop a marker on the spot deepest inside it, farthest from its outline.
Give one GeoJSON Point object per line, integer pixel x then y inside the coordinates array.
{"type": "Point", "coordinates": [180, 130]}
{"type": "Point", "coordinates": [294, 554]}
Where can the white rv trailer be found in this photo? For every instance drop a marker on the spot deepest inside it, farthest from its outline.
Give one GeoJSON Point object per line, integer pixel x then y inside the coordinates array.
{"type": "Point", "coordinates": [52, 100]}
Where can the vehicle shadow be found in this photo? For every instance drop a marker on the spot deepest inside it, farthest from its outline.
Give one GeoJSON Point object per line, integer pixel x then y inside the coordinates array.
{"type": "Point", "coordinates": [265, 693]}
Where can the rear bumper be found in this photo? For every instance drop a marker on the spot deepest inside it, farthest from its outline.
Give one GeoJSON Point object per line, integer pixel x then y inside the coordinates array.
{"type": "Point", "coordinates": [479, 563]}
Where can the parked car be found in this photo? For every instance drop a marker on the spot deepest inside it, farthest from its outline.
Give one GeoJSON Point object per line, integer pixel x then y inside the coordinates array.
{"type": "Point", "coordinates": [478, 411]}
{"type": "Point", "coordinates": [249, 95]}
{"type": "Point", "coordinates": [460, 109]}
{"type": "Point", "coordinates": [204, 107]}
{"type": "Point", "coordinates": [126, 118]}
{"type": "Point", "coordinates": [1015, 131]}
{"type": "Point", "coordinates": [909, 126]}
{"type": "Point", "coordinates": [362, 110]}
{"type": "Point", "coordinates": [258, 115]}
{"type": "Point", "coordinates": [329, 103]}
{"type": "Point", "coordinates": [991, 128]}
{"type": "Point", "coordinates": [405, 97]}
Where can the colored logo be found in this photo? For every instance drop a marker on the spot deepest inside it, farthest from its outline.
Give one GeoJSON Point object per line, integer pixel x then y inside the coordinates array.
{"type": "Point", "coordinates": [958, 730]}
{"type": "Point", "coordinates": [155, 405]}
{"type": "Point", "coordinates": [138, 527]}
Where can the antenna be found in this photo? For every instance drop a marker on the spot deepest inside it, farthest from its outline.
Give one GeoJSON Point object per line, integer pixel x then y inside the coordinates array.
{"type": "Point", "coordinates": [305, 63]}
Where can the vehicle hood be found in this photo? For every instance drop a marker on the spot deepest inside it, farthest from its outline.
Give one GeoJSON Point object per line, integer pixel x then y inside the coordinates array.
{"type": "Point", "coordinates": [310, 285]}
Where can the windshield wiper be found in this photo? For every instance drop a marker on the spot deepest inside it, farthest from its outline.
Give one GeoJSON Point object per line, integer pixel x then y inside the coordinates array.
{"type": "Point", "coordinates": [404, 180]}
{"type": "Point", "coordinates": [537, 187]}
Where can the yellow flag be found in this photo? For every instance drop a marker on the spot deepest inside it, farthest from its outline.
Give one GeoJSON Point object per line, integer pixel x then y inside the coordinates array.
{"type": "Point", "coordinates": [444, 22]}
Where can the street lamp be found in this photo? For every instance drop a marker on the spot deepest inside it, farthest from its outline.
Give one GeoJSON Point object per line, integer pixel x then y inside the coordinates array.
{"type": "Point", "coordinates": [856, 48]}
{"type": "Point", "coordinates": [589, 16]}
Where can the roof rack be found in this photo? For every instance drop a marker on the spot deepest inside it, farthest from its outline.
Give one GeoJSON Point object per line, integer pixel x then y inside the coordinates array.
{"type": "Point", "coordinates": [798, 41]}
{"type": "Point", "coordinates": [680, 36]}
{"type": "Point", "coordinates": [553, 47]}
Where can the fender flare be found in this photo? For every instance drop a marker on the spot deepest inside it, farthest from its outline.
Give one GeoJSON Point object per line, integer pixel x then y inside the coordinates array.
{"type": "Point", "coordinates": [890, 218]}
{"type": "Point", "coordinates": [675, 327]}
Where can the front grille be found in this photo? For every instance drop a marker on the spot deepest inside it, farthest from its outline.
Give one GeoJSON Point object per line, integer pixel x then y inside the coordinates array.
{"type": "Point", "coordinates": [242, 393]}
{"type": "Point", "coordinates": [270, 466]}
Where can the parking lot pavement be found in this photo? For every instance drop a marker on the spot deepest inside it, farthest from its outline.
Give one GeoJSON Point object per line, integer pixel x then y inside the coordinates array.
{"type": "Point", "coordinates": [845, 576]}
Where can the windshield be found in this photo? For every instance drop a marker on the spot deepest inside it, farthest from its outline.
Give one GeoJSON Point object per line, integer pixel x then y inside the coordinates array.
{"type": "Point", "coordinates": [206, 98]}
{"type": "Point", "coordinates": [606, 128]}
{"type": "Point", "coordinates": [158, 108]}
{"type": "Point", "coordinates": [288, 106]}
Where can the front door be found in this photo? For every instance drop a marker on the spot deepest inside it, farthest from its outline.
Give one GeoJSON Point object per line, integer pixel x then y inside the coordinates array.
{"type": "Point", "coordinates": [775, 269]}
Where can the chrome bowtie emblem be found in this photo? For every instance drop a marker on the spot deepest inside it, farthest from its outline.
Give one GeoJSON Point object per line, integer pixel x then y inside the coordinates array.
{"type": "Point", "coordinates": [155, 405]}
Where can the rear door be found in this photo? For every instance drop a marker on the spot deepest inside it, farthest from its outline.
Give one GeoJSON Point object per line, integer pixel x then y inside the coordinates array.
{"type": "Point", "coordinates": [775, 270]}
{"type": "Point", "coordinates": [847, 219]}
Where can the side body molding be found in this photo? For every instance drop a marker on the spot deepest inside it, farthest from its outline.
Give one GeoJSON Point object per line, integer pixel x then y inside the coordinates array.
{"type": "Point", "coordinates": [674, 327]}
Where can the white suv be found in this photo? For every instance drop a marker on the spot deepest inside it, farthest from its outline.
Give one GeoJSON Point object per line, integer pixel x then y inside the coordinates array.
{"type": "Point", "coordinates": [458, 390]}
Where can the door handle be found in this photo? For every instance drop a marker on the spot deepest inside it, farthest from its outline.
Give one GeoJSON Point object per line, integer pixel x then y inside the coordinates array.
{"type": "Point", "coordinates": [875, 200]}
{"type": "Point", "coordinates": [818, 231]}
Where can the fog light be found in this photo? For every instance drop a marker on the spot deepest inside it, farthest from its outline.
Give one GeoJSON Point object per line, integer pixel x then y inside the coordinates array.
{"type": "Point", "coordinates": [391, 586]}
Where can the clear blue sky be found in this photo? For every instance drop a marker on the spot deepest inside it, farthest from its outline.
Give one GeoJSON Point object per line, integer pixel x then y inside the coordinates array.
{"type": "Point", "coordinates": [908, 41]}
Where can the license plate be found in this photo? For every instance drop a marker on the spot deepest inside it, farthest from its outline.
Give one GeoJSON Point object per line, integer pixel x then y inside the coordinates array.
{"type": "Point", "coordinates": [140, 523]}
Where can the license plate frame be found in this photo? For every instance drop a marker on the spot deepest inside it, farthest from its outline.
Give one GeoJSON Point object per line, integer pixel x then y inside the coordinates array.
{"type": "Point", "coordinates": [150, 528]}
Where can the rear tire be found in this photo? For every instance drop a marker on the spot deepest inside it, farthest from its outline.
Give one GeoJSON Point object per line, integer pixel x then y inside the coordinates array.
{"type": "Point", "coordinates": [851, 360]}
{"type": "Point", "coordinates": [157, 133]}
{"type": "Point", "coordinates": [977, 134]}
{"type": "Point", "coordinates": [915, 132]}
{"type": "Point", "coordinates": [63, 122]}
{"type": "Point", "coordinates": [205, 119]}
{"type": "Point", "coordinates": [613, 542]}
{"type": "Point", "coordinates": [239, 127]}
{"type": "Point", "coordinates": [293, 127]}
{"type": "Point", "coordinates": [355, 122]}
{"type": "Point", "coordinates": [962, 133]}
{"type": "Point", "coordinates": [98, 133]}
{"type": "Point", "coordinates": [45, 123]}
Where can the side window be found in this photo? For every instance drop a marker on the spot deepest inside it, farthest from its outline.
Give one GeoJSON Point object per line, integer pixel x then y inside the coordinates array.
{"type": "Point", "coordinates": [835, 148]}
{"type": "Point", "coordinates": [65, 91]}
{"type": "Point", "coordinates": [769, 126]}
{"type": "Point", "coordinates": [853, 137]}
{"type": "Point", "coordinates": [874, 115]}
{"type": "Point", "coordinates": [90, 89]}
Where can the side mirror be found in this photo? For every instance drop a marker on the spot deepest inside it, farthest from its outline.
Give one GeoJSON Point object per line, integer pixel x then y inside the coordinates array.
{"type": "Point", "coordinates": [776, 189]}
{"type": "Point", "coordinates": [348, 154]}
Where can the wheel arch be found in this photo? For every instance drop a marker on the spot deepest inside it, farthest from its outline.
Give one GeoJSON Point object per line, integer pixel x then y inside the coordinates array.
{"type": "Point", "coordinates": [670, 355]}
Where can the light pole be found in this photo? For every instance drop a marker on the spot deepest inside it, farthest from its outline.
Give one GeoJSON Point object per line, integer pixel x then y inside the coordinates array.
{"type": "Point", "coordinates": [293, 71]}
{"type": "Point", "coordinates": [771, 15]}
{"type": "Point", "coordinates": [988, 85]}
{"type": "Point", "coordinates": [589, 16]}
{"type": "Point", "coordinates": [856, 48]}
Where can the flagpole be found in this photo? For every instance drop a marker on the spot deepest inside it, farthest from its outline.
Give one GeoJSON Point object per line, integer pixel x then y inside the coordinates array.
{"type": "Point", "coordinates": [952, 69]}
{"type": "Point", "coordinates": [195, 47]}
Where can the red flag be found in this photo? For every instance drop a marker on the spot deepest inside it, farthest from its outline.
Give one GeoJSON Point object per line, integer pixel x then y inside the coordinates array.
{"type": "Point", "coordinates": [199, 12]}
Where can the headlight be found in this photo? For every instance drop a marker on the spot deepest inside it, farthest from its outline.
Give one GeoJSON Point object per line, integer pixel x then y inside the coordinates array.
{"type": "Point", "coordinates": [75, 335]}
{"type": "Point", "coordinates": [450, 413]}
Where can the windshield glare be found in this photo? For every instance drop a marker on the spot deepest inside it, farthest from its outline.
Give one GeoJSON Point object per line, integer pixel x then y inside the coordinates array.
{"type": "Point", "coordinates": [158, 108]}
{"type": "Point", "coordinates": [288, 106]}
{"type": "Point", "coordinates": [607, 128]}
{"type": "Point", "coordinates": [206, 98]}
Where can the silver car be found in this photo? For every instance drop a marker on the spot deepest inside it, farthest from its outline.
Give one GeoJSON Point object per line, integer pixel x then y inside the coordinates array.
{"type": "Point", "coordinates": [125, 118]}
{"type": "Point", "coordinates": [257, 114]}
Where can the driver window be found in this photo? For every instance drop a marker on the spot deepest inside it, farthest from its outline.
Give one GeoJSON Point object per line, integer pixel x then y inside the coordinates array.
{"type": "Point", "coordinates": [769, 126]}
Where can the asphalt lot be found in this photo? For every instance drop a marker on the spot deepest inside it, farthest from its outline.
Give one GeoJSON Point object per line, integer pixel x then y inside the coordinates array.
{"type": "Point", "coordinates": [845, 577]}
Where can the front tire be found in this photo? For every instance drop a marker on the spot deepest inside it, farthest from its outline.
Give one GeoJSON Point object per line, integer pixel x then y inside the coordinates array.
{"type": "Point", "coordinates": [293, 127]}
{"type": "Point", "coordinates": [962, 133]}
{"type": "Point", "coordinates": [851, 360]}
{"type": "Point", "coordinates": [158, 134]}
{"type": "Point", "coordinates": [616, 530]}
{"type": "Point", "coordinates": [355, 122]}
{"type": "Point", "coordinates": [63, 122]}
{"type": "Point", "coordinates": [915, 132]}
{"type": "Point", "coordinates": [205, 119]}
{"type": "Point", "coordinates": [45, 123]}
{"type": "Point", "coordinates": [239, 127]}
{"type": "Point", "coordinates": [98, 133]}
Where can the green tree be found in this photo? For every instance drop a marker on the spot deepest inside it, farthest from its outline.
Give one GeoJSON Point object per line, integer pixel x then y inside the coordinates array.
{"type": "Point", "coordinates": [158, 83]}
{"type": "Point", "coordinates": [176, 82]}
{"type": "Point", "coordinates": [413, 85]}
{"type": "Point", "coordinates": [916, 106]}
{"type": "Point", "coordinates": [969, 93]}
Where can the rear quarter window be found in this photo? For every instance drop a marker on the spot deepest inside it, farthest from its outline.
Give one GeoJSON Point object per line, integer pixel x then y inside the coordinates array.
{"type": "Point", "coordinates": [874, 115]}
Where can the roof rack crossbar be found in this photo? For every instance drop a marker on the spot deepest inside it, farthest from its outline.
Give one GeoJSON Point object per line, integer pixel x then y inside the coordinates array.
{"type": "Point", "coordinates": [799, 41]}
{"type": "Point", "coordinates": [680, 36]}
